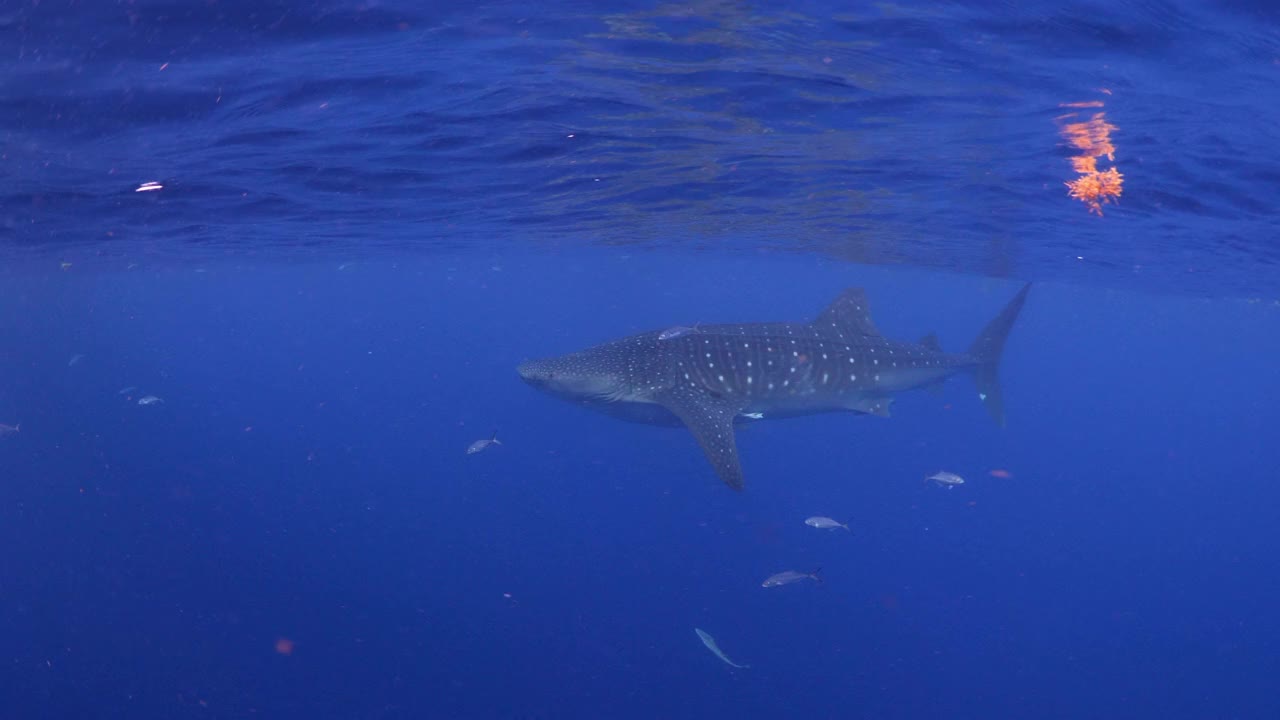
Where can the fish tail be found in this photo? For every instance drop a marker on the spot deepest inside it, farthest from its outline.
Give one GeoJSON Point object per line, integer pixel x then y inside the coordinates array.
{"type": "Point", "coordinates": [986, 350]}
{"type": "Point", "coordinates": [494, 438]}
{"type": "Point", "coordinates": [816, 574]}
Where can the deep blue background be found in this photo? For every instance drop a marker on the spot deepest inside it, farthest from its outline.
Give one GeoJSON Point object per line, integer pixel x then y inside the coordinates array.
{"type": "Point", "coordinates": [373, 211]}
{"type": "Point", "coordinates": [153, 555]}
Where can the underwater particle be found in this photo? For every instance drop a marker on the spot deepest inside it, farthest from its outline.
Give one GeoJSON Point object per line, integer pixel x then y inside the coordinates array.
{"type": "Point", "coordinates": [284, 646]}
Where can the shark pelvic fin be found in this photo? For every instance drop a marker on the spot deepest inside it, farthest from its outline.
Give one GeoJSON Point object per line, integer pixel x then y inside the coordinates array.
{"type": "Point", "coordinates": [873, 406]}
{"type": "Point", "coordinates": [986, 350]}
{"type": "Point", "coordinates": [710, 419]}
{"type": "Point", "coordinates": [848, 314]}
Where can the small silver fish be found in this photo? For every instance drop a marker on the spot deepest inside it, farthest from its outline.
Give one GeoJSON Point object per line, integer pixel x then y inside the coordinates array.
{"type": "Point", "coordinates": [710, 642]}
{"type": "Point", "coordinates": [149, 400]}
{"type": "Point", "coordinates": [946, 479]}
{"type": "Point", "coordinates": [677, 331]}
{"type": "Point", "coordinates": [479, 445]}
{"type": "Point", "coordinates": [825, 523]}
{"type": "Point", "coordinates": [126, 391]}
{"type": "Point", "coordinates": [74, 359]}
{"type": "Point", "coordinates": [786, 577]}
{"type": "Point", "coordinates": [9, 429]}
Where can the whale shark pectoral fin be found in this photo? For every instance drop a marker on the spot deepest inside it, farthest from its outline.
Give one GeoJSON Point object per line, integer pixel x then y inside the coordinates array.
{"type": "Point", "coordinates": [848, 313]}
{"type": "Point", "coordinates": [872, 406]}
{"type": "Point", "coordinates": [710, 419]}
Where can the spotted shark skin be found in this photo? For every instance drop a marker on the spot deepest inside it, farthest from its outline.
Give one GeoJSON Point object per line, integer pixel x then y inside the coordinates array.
{"type": "Point", "coordinates": [720, 375]}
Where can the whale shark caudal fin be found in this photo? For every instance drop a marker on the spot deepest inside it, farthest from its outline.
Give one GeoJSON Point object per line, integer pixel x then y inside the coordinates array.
{"type": "Point", "coordinates": [986, 350]}
{"type": "Point", "coordinates": [710, 419]}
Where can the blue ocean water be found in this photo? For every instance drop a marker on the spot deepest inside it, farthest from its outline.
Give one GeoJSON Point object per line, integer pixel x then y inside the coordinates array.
{"type": "Point", "coordinates": [365, 214]}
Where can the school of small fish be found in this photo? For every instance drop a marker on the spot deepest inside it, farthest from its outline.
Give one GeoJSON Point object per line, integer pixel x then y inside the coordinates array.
{"type": "Point", "coordinates": [942, 478]}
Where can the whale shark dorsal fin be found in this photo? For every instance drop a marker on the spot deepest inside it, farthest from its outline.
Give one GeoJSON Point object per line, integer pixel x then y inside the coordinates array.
{"type": "Point", "coordinates": [930, 342]}
{"type": "Point", "coordinates": [848, 313]}
{"type": "Point", "coordinates": [710, 419]}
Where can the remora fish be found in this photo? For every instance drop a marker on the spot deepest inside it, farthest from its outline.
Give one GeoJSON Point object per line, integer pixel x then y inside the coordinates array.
{"type": "Point", "coordinates": [722, 374]}
{"type": "Point", "coordinates": [710, 642]}
{"type": "Point", "coordinates": [675, 332]}
{"type": "Point", "coordinates": [786, 577]}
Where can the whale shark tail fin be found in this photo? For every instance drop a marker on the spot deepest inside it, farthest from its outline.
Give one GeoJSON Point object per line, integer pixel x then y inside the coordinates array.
{"type": "Point", "coordinates": [986, 350]}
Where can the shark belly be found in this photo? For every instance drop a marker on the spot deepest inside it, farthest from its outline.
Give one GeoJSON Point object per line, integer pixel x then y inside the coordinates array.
{"type": "Point", "coordinates": [795, 406]}
{"type": "Point", "coordinates": [643, 412]}
{"type": "Point", "coordinates": [649, 412]}
{"type": "Point", "coordinates": [896, 381]}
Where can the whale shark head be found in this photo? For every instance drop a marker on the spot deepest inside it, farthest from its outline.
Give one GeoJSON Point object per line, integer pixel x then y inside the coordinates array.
{"type": "Point", "coordinates": [589, 376]}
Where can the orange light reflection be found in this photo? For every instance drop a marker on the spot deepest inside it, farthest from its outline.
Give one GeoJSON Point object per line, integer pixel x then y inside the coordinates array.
{"type": "Point", "coordinates": [1092, 139]}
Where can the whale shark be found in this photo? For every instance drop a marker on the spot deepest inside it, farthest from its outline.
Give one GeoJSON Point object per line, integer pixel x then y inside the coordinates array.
{"type": "Point", "coordinates": [710, 378]}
